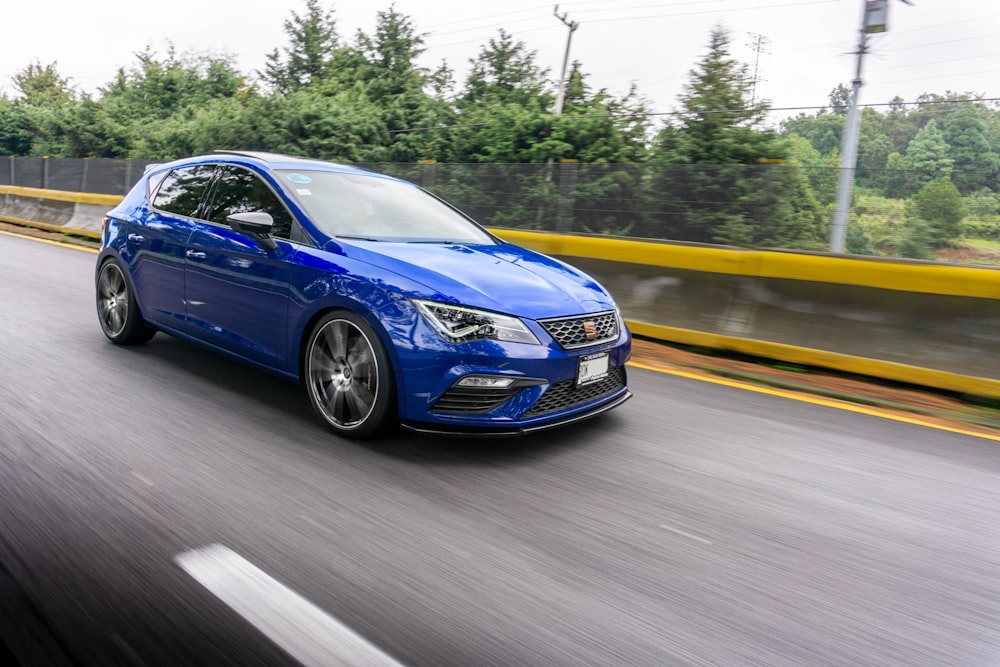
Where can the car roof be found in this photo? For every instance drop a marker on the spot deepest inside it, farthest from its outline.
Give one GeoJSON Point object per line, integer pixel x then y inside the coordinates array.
{"type": "Point", "coordinates": [268, 160]}
{"type": "Point", "coordinates": [282, 161]}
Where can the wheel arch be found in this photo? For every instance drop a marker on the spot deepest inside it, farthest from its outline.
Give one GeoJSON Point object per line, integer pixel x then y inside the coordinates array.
{"type": "Point", "coordinates": [110, 254]}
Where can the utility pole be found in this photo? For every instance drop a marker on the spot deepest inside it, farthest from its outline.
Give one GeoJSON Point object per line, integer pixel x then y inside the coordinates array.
{"type": "Point", "coordinates": [572, 25]}
{"type": "Point", "coordinates": [757, 44]}
{"type": "Point", "coordinates": [874, 19]}
{"type": "Point", "coordinates": [560, 100]}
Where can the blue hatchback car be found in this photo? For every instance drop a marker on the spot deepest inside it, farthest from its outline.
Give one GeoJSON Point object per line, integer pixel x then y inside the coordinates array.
{"type": "Point", "coordinates": [388, 304]}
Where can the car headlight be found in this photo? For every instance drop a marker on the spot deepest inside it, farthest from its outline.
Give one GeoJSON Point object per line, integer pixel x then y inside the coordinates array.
{"type": "Point", "coordinates": [458, 324]}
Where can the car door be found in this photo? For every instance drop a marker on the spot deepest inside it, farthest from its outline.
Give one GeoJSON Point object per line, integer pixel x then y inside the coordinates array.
{"type": "Point", "coordinates": [158, 241]}
{"type": "Point", "coordinates": [237, 290]}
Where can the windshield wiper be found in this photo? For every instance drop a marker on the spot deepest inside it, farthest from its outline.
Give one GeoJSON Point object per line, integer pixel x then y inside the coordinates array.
{"type": "Point", "coordinates": [357, 238]}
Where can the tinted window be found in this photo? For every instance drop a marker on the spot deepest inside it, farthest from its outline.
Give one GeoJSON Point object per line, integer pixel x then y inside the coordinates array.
{"type": "Point", "coordinates": [183, 189]}
{"type": "Point", "coordinates": [154, 182]}
{"type": "Point", "coordinates": [240, 191]}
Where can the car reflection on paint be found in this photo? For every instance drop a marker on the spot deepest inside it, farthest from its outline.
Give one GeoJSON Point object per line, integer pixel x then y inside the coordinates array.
{"type": "Point", "coordinates": [385, 302]}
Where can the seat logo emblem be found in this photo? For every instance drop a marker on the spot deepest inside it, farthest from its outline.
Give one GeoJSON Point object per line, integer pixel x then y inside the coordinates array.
{"type": "Point", "coordinates": [590, 329]}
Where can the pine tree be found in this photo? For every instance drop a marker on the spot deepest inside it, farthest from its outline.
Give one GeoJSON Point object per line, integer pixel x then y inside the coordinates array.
{"type": "Point", "coordinates": [313, 49]}
{"type": "Point", "coordinates": [927, 157]}
{"type": "Point", "coordinates": [712, 187]}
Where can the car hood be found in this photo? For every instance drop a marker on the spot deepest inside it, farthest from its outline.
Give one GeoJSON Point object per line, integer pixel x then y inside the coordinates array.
{"type": "Point", "coordinates": [505, 278]}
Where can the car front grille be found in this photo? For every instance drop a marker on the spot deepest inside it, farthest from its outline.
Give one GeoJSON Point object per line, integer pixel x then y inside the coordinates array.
{"type": "Point", "coordinates": [571, 332]}
{"type": "Point", "coordinates": [566, 394]}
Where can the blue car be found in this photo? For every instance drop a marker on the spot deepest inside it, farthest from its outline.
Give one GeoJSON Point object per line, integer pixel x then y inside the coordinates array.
{"type": "Point", "coordinates": [388, 304]}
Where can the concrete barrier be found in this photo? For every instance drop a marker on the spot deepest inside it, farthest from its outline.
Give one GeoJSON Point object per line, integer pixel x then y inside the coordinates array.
{"type": "Point", "coordinates": [73, 212]}
{"type": "Point", "coordinates": [917, 322]}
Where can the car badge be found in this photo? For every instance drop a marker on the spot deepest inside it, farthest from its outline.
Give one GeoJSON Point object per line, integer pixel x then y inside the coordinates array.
{"type": "Point", "coordinates": [590, 329]}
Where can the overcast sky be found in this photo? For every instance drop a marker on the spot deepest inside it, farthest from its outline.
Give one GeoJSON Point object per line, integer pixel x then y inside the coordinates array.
{"type": "Point", "coordinates": [934, 46]}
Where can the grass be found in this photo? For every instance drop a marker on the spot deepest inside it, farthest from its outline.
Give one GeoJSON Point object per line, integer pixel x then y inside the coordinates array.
{"type": "Point", "coordinates": [991, 244]}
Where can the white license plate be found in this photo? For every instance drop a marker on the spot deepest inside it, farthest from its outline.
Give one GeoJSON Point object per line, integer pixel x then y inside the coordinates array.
{"type": "Point", "coordinates": [592, 367]}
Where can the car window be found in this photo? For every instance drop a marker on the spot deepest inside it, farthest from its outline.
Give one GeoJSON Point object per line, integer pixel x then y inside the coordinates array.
{"type": "Point", "coordinates": [239, 190]}
{"type": "Point", "coordinates": [154, 182]}
{"type": "Point", "coordinates": [182, 190]}
{"type": "Point", "coordinates": [379, 209]}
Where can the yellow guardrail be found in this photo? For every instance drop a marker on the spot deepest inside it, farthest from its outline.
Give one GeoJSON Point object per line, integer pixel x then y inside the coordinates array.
{"type": "Point", "coordinates": [905, 276]}
{"type": "Point", "coordinates": [61, 195]}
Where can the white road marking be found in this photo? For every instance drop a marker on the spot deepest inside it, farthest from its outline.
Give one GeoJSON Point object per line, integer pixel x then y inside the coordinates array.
{"type": "Point", "coordinates": [145, 480]}
{"type": "Point", "coordinates": [302, 629]}
{"type": "Point", "coordinates": [685, 534]}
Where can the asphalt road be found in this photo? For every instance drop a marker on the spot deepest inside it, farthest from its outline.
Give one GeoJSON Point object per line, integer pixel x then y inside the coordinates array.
{"type": "Point", "coordinates": [696, 525]}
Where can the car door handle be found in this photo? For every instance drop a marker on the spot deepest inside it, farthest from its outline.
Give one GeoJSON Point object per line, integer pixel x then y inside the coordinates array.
{"type": "Point", "coordinates": [194, 254]}
{"type": "Point", "coordinates": [135, 238]}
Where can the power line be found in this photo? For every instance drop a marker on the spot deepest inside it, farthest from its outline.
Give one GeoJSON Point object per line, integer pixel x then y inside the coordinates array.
{"type": "Point", "coordinates": [714, 11]}
{"type": "Point", "coordinates": [937, 62]}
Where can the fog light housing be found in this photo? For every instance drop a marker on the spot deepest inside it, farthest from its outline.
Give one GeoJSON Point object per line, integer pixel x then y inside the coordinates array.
{"type": "Point", "coordinates": [485, 381]}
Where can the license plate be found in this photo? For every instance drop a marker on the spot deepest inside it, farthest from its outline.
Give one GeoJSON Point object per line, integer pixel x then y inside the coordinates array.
{"type": "Point", "coordinates": [591, 368]}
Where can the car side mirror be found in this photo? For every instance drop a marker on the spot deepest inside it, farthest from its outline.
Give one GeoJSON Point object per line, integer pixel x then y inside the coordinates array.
{"type": "Point", "coordinates": [255, 224]}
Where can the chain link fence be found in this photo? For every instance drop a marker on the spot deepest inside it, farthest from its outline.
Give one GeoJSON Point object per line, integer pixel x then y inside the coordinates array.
{"type": "Point", "coordinates": [97, 175]}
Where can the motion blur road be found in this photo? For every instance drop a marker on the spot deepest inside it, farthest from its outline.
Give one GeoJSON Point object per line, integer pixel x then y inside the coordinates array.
{"type": "Point", "coordinates": [696, 525]}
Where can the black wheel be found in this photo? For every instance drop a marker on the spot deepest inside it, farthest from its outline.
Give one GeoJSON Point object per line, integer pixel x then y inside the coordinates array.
{"type": "Point", "coordinates": [117, 311]}
{"type": "Point", "coordinates": [348, 376]}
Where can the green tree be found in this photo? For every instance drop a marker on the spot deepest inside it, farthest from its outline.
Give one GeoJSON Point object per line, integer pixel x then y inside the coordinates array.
{"type": "Point", "coordinates": [824, 130]}
{"type": "Point", "coordinates": [313, 52]}
{"type": "Point", "coordinates": [398, 88]}
{"type": "Point", "coordinates": [723, 194]}
{"type": "Point", "coordinates": [975, 163]}
{"type": "Point", "coordinates": [42, 86]}
{"type": "Point", "coordinates": [821, 171]}
{"type": "Point", "coordinates": [874, 146]}
{"type": "Point", "coordinates": [156, 88]}
{"type": "Point", "coordinates": [927, 157]}
{"type": "Point", "coordinates": [895, 179]}
{"type": "Point", "coordinates": [840, 100]}
{"type": "Point", "coordinates": [505, 72]}
{"type": "Point", "coordinates": [915, 240]}
{"type": "Point", "coordinates": [940, 205]}
{"type": "Point", "coordinates": [15, 128]}
{"type": "Point", "coordinates": [82, 129]}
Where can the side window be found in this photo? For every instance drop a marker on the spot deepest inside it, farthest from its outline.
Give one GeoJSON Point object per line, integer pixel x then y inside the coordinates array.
{"type": "Point", "coordinates": [183, 189]}
{"type": "Point", "coordinates": [239, 191]}
{"type": "Point", "coordinates": [154, 182]}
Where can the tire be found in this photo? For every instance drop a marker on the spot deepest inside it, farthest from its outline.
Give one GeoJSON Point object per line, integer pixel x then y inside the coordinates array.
{"type": "Point", "coordinates": [348, 376]}
{"type": "Point", "coordinates": [117, 310]}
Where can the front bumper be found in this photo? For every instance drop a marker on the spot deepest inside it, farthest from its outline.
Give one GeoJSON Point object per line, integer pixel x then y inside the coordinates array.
{"type": "Point", "coordinates": [458, 430]}
{"type": "Point", "coordinates": [544, 393]}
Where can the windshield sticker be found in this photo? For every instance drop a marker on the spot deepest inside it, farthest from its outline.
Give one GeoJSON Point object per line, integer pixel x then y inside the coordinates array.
{"type": "Point", "coordinates": [299, 178]}
{"type": "Point", "coordinates": [303, 191]}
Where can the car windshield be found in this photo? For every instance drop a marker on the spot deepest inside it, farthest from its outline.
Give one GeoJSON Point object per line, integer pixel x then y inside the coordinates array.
{"type": "Point", "coordinates": [373, 208]}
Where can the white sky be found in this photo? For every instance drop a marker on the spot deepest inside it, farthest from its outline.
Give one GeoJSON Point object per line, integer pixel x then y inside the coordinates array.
{"type": "Point", "coordinates": [934, 46]}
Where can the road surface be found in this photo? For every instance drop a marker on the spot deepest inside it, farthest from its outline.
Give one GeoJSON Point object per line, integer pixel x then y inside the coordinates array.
{"type": "Point", "coordinates": [160, 505]}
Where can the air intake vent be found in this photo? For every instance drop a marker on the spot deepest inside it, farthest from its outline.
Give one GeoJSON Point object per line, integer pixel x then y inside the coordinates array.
{"type": "Point", "coordinates": [566, 394]}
